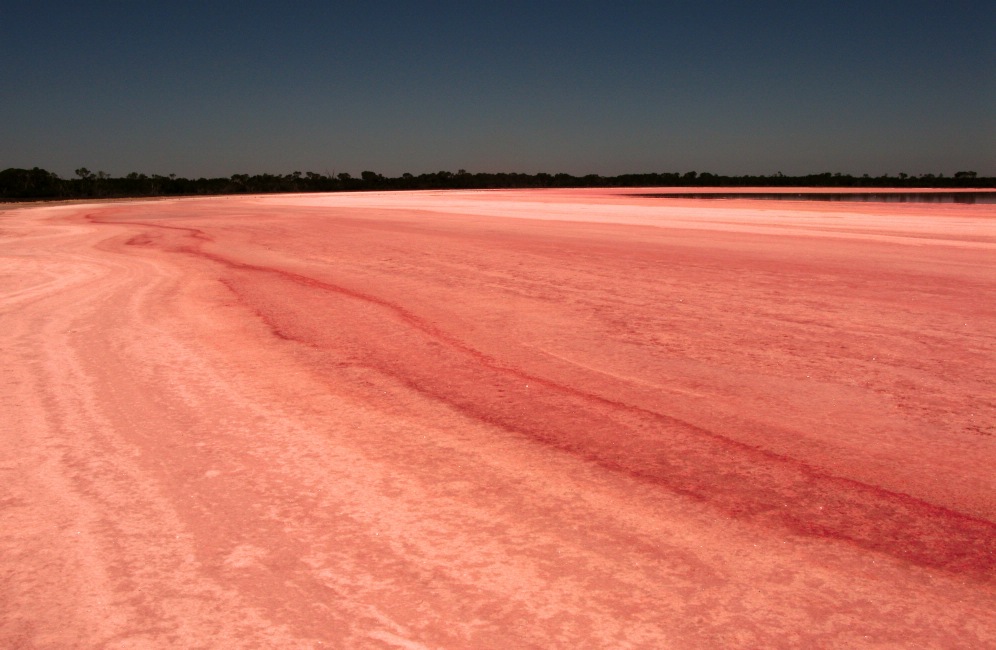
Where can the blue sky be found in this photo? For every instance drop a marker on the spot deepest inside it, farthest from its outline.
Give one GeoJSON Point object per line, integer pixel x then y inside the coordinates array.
{"type": "Point", "coordinates": [213, 89]}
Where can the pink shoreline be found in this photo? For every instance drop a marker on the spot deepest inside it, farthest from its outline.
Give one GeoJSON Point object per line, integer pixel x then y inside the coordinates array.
{"type": "Point", "coordinates": [519, 418]}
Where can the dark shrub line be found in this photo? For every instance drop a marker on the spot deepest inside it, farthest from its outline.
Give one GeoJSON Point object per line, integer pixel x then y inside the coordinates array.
{"type": "Point", "coordinates": [26, 184]}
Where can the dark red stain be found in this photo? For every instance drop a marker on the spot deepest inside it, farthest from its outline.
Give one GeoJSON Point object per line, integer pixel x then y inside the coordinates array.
{"type": "Point", "coordinates": [736, 479]}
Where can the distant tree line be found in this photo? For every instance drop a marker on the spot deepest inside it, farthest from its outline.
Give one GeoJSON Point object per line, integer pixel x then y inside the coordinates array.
{"type": "Point", "coordinates": [27, 184]}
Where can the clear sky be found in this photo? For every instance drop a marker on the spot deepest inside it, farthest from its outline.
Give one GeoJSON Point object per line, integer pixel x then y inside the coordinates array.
{"type": "Point", "coordinates": [752, 87]}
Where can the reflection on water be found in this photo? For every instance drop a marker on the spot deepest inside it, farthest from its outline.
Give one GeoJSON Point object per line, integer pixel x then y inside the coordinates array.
{"type": "Point", "coordinates": [884, 197]}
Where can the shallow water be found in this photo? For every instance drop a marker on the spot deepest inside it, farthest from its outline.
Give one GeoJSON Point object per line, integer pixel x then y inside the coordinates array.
{"type": "Point", "coordinates": [880, 197]}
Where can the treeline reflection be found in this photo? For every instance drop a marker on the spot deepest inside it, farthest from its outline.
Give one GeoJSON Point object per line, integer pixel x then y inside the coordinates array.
{"type": "Point", "coordinates": [877, 197]}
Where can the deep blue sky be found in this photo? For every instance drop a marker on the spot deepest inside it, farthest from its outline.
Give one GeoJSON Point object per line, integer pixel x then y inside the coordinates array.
{"type": "Point", "coordinates": [217, 88]}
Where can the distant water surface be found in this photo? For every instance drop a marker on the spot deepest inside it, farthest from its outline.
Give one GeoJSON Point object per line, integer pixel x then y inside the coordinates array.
{"type": "Point", "coordinates": [883, 197]}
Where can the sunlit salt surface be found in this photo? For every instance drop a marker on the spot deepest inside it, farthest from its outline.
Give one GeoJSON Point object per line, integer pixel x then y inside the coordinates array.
{"type": "Point", "coordinates": [878, 197]}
